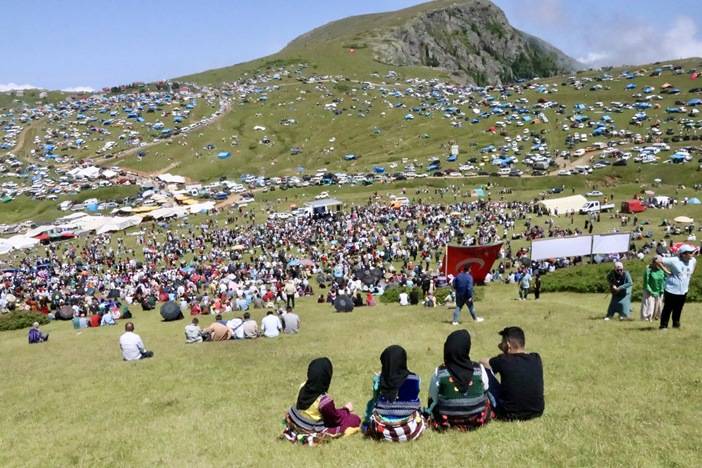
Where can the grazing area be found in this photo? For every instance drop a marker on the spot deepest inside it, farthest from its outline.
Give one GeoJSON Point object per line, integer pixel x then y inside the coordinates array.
{"type": "Point", "coordinates": [621, 392]}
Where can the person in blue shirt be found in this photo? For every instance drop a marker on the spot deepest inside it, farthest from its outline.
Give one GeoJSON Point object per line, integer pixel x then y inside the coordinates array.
{"type": "Point", "coordinates": [677, 284]}
{"type": "Point", "coordinates": [463, 285]}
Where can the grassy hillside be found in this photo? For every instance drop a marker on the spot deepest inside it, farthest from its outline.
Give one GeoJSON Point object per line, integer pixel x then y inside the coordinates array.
{"type": "Point", "coordinates": [369, 121]}
{"type": "Point", "coordinates": [192, 403]}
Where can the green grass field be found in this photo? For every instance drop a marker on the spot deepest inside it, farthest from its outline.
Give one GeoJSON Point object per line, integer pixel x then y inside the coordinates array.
{"type": "Point", "coordinates": [617, 394]}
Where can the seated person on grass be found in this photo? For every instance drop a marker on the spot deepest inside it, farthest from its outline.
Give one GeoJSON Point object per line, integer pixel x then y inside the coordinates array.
{"type": "Point", "coordinates": [458, 390]}
{"type": "Point", "coordinates": [218, 331]}
{"type": "Point", "coordinates": [35, 335]}
{"type": "Point", "coordinates": [394, 411]}
{"type": "Point", "coordinates": [193, 332]}
{"type": "Point", "coordinates": [520, 393]}
{"type": "Point", "coordinates": [314, 418]}
{"type": "Point", "coordinates": [250, 327]}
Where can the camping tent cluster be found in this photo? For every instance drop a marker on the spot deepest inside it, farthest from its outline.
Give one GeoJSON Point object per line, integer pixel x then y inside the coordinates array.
{"type": "Point", "coordinates": [79, 223]}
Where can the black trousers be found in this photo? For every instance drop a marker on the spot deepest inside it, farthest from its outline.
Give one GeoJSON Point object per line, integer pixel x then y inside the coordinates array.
{"type": "Point", "coordinates": [291, 300]}
{"type": "Point", "coordinates": [672, 303]}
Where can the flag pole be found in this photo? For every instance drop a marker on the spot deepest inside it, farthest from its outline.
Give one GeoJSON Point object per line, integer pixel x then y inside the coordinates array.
{"type": "Point", "coordinates": [446, 260]}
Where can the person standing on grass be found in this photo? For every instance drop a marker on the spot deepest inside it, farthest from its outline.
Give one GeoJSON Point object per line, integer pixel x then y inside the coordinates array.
{"type": "Point", "coordinates": [620, 285]}
{"type": "Point", "coordinates": [519, 395]}
{"type": "Point", "coordinates": [653, 285]}
{"type": "Point", "coordinates": [677, 284]}
{"type": "Point", "coordinates": [131, 345]}
{"type": "Point", "coordinates": [524, 285]}
{"type": "Point", "coordinates": [537, 286]}
{"type": "Point", "coordinates": [463, 285]}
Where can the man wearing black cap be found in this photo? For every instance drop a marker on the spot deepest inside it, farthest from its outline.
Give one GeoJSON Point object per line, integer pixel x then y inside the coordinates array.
{"type": "Point", "coordinates": [520, 393]}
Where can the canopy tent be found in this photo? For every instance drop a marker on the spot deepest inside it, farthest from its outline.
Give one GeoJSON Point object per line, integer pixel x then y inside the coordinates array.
{"type": "Point", "coordinates": [564, 204]}
{"type": "Point", "coordinates": [683, 220]}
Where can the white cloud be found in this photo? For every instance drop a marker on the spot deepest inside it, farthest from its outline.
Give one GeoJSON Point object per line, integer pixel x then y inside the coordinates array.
{"type": "Point", "coordinates": [78, 89]}
{"type": "Point", "coordinates": [593, 57]}
{"type": "Point", "coordinates": [4, 87]}
{"type": "Point", "coordinates": [637, 42]}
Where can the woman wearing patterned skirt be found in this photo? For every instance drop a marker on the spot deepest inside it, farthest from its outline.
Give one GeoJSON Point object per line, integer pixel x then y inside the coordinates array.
{"type": "Point", "coordinates": [315, 418]}
{"type": "Point", "coordinates": [393, 413]}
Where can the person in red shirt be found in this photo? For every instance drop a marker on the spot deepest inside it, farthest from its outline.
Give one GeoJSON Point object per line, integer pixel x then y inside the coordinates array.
{"type": "Point", "coordinates": [95, 320]}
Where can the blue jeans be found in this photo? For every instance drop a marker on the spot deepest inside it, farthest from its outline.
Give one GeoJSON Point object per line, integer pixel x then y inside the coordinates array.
{"type": "Point", "coordinates": [459, 305]}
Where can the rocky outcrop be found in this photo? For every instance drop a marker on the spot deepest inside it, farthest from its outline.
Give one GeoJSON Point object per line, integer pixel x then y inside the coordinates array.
{"type": "Point", "coordinates": [472, 40]}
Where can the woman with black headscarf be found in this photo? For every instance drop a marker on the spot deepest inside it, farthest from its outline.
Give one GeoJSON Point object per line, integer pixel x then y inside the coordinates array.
{"type": "Point", "coordinates": [314, 417]}
{"type": "Point", "coordinates": [458, 390]}
{"type": "Point", "coordinates": [393, 413]}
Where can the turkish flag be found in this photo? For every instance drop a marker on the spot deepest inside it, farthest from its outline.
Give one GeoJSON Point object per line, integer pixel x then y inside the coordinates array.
{"type": "Point", "coordinates": [480, 258]}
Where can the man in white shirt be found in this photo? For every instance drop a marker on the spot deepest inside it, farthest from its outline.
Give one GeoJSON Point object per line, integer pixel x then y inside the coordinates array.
{"type": "Point", "coordinates": [404, 299]}
{"type": "Point", "coordinates": [131, 345]}
{"type": "Point", "coordinates": [270, 325]}
{"type": "Point", "coordinates": [235, 325]}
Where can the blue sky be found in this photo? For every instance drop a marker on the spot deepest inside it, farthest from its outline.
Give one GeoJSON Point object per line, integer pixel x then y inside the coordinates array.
{"type": "Point", "coordinates": [60, 44]}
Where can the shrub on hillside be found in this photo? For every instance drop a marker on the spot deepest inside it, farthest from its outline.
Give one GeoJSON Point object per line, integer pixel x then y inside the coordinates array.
{"type": "Point", "coordinates": [20, 319]}
{"type": "Point", "coordinates": [593, 279]}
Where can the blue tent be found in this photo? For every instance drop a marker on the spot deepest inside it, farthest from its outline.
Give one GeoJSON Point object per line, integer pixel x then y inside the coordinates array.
{"type": "Point", "coordinates": [648, 89]}
{"type": "Point", "coordinates": [409, 117]}
{"type": "Point", "coordinates": [379, 169]}
{"type": "Point", "coordinates": [643, 105]}
{"type": "Point", "coordinates": [631, 86]}
{"type": "Point", "coordinates": [694, 201]}
{"type": "Point", "coordinates": [48, 148]}
{"type": "Point", "coordinates": [350, 157]}
{"type": "Point", "coordinates": [581, 118]}
{"type": "Point", "coordinates": [695, 102]}
{"type": "Point", "coordinates": [599, 131]}
{"type": "Point", "coordinates": [678, 157]}
{"type": "Point", "coordinates": [224, 154]}
{"type": "Point", "coordinates": [673, 110]}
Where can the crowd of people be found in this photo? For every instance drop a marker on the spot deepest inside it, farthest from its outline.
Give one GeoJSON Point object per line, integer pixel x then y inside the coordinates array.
{"type": "Point", "coordinates": [262, 262]}
{"type": "Point", "coordinates": [463, 394]}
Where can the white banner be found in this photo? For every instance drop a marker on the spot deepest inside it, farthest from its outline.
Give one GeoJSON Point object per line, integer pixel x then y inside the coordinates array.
{"type": "Point", "coordinates": [610, 243]}
{"type": "Point", "coordinates": [561, 247]}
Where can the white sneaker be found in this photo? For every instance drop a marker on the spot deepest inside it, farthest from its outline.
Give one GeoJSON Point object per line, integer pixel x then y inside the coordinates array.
{"type": "Point", "coordinates": [479, 319]}
{"type": "Point", "coordinates": [606, 318]}
{"type": "Point", "coordinates": [455, 323]}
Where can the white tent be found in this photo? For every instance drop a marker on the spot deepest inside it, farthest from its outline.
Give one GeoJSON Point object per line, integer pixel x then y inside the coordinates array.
{"type": "Point", "coordinates": [16, 243]}
{"type": "Point", "coordinates": [171, 179]}
{"type": "Point", "coordinates": [119, 224]}
{"type": "Point", "coordinates": [564, 204]}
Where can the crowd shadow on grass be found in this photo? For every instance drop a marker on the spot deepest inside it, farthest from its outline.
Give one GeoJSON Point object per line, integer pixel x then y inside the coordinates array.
{"type": "Point", "coordinates": [648, 328]}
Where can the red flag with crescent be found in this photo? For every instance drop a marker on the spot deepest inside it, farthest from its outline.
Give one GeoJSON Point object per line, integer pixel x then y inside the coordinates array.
{"type": "Point", "coordinates": [480, 258]}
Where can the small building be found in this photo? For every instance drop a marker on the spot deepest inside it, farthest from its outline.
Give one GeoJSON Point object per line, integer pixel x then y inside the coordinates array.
{"type": "Point", "coordinates": [325, 206]}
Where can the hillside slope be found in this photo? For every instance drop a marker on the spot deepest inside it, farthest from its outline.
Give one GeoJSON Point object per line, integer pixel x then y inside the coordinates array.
{"type": "Point", "coordinates": [469, 39]}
